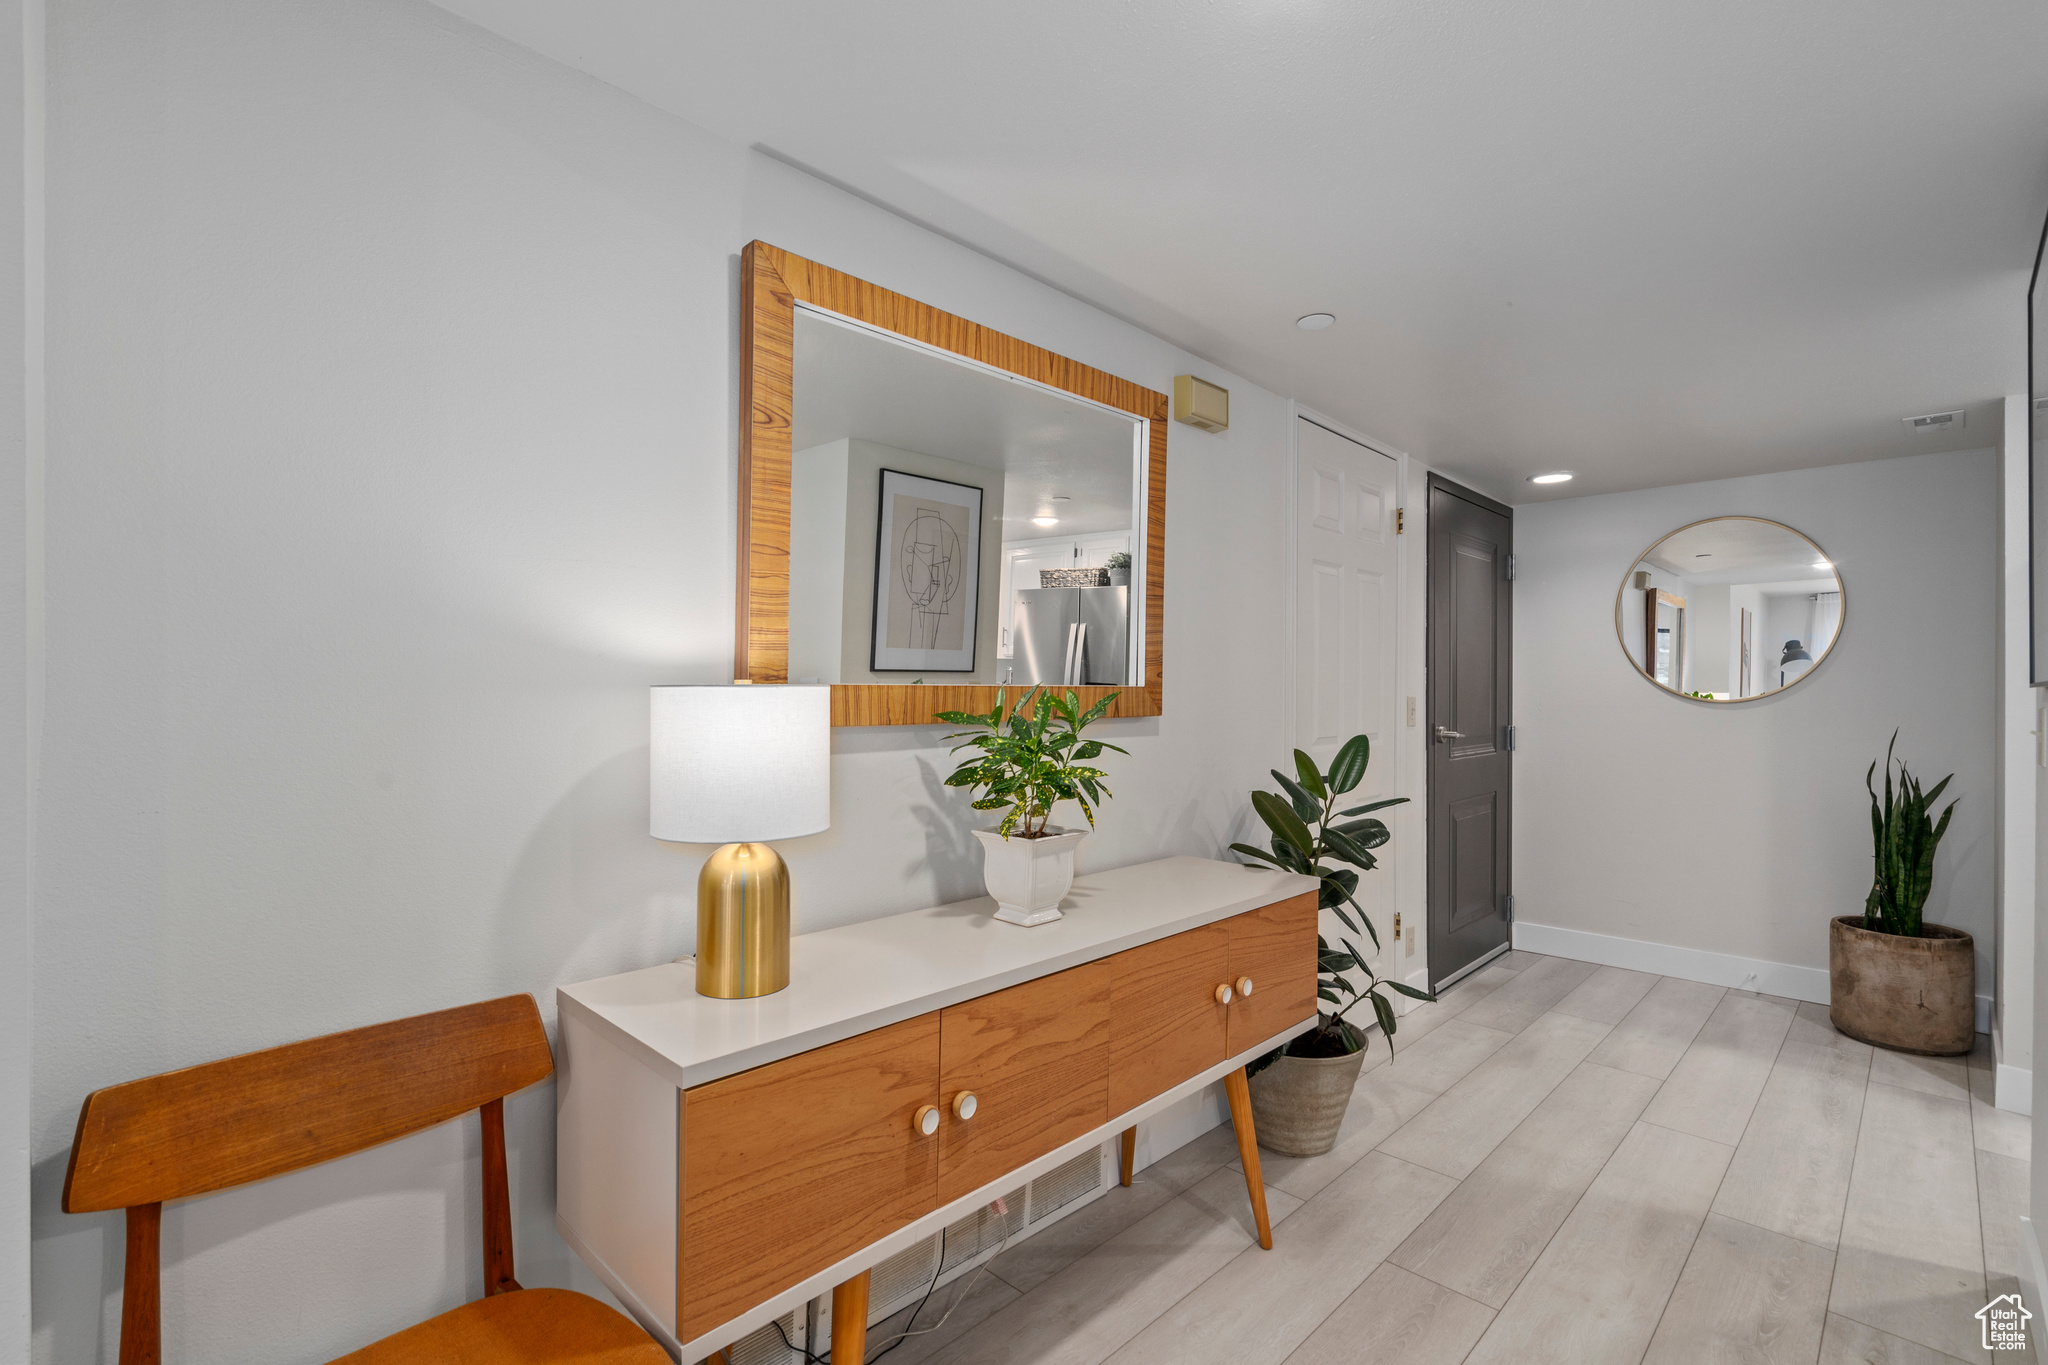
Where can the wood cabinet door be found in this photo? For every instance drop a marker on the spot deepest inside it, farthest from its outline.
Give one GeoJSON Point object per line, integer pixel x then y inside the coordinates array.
{"type": "Point", "coordinates": [1165, 1022]}
{"type": "Point", "coordinates": [1275, 948]}
{"type": "Point", "coordinates": [795, 1164]}
{"type": "Point", "coordinates": [1036, 1059]}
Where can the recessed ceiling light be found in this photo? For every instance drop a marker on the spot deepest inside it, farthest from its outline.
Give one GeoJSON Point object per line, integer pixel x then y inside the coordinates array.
{"type": "Point", "coordinates": [1045, 521]}
{"type": "Point", "coordinates": [1555, 476]}
{"type": "Point", "coordinates": [1315, 322]}
{"type": "Point", "coordinates": [1061, 497]}
{"type": "Point", "coordinates": [1705, 554]}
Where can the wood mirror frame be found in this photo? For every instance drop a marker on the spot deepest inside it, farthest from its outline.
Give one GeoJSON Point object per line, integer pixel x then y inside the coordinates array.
{"type": "Point", "coordinates": [772, 283]}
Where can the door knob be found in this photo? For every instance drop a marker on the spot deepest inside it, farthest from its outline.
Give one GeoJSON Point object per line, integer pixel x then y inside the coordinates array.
{"type": "Point", "coordinates": [1223, 995]}
{"type": "Point", "coordinates": [926, 1121]}
{"type": "Point", "coordinates": [964, 1105]}
{"type": "Point", "coordinates": [1244, 985]}
{"type": "Point", "coordinates": [1445, 734]}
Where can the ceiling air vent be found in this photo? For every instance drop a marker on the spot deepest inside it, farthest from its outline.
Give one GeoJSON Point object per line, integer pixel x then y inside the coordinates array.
{"type": "Point", "coordinates": [1935, 421]}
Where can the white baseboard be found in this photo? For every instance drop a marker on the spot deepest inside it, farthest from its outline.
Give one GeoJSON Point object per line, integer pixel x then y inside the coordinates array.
{"type": "Point", "coordinates": [1692, 964]}
{"type": "Point", "coordinates": [2013, 1088]}
{"type": "Point", "coordinates": [2032, 1275]}
{"type": "Point", "coordinates": [1419, 979]}
{"type": "Point", "coordinates": [1181, 1123]}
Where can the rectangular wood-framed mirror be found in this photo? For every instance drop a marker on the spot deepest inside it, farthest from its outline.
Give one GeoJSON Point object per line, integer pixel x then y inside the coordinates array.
{"type": "Point", "coordinates": [930, 510]}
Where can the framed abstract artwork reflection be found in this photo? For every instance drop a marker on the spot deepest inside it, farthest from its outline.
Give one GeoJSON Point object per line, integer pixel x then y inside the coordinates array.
{"type": "Point", "coordinates": [927, 575]}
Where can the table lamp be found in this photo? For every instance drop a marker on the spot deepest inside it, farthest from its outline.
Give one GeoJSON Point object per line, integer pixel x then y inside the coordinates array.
{"type": "Point", "coordinates": [740, 765]}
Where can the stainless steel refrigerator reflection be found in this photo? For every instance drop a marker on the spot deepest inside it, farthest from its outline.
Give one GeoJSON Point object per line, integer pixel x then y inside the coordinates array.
{"type": "Point", "coordinates": [1073, 636]}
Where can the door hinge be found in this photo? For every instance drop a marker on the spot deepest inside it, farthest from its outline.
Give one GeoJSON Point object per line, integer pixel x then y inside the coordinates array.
{"type": "Point", "coordinates": [1400, 516]}
{"type": "Point", "coordinates": [1511, 568]}
{"type": "Point", "coordinates": [1508, 738]}
{"type": "Point", "coordinates": [1508, 904]}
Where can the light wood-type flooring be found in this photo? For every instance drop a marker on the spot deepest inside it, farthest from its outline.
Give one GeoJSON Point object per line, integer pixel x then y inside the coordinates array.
{"type": "Point", "coordinates": [1562, 1163]}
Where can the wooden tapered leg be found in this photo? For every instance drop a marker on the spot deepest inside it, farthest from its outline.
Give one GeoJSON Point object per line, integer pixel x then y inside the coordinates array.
{"type": "Point", "coordinates": [1127, 1156]}
{"type": "Point", "coordinates": [850, 1321]}
{"type": "Point", "coordinates": [1239, 1090]}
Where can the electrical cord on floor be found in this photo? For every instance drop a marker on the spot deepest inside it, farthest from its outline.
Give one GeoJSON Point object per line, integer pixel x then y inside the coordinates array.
{"type": "Point", "coordinates": [789, 1345]}
{"type": "Point", "coordinates": [894, 1342]}
{"type": "Point", "coordinates": [959, 1299]}
{"type": "Point", "coordinates": [910, 1323]}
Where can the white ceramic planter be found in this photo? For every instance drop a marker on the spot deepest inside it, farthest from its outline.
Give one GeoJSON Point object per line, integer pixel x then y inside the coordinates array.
{"type": "Point", "coordinates": [1028, 877]}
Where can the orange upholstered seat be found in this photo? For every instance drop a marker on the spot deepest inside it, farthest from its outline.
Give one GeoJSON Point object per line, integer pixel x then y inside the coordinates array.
{"type": "Point", "coordinates": [521, 1327]}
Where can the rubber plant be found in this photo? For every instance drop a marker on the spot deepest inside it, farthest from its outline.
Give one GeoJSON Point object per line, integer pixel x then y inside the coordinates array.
{"type": "Point", "coordinates": [1903, 836]}
{"type": "Point", "coordinates": [1030, 758]}
{"type": "Point", "coordinates": [1312, 837]}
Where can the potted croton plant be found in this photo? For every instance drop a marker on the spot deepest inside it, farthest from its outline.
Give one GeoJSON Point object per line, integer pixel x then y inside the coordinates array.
{"type": "Point", "coordinates": [1028, 760]}
{"type": "Point", "coordinates": [1300, 1090]}
{"type": "Point", "coordinates": [1894, 979]}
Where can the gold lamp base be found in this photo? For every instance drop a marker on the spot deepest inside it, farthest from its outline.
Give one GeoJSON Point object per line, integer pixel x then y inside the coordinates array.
{"type": "Point", "coordinates": [743, 923]}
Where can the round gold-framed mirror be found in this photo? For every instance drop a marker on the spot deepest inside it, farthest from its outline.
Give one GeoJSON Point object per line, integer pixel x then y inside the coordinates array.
{"type": "Point", "coordinates": [1730, 609]}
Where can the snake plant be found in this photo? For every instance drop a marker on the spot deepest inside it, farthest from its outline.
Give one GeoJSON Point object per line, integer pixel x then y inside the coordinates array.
{"type": "Point", "coordinates": [1310, 836]}
{"type": "Point", "coordinates": [1903, 838]}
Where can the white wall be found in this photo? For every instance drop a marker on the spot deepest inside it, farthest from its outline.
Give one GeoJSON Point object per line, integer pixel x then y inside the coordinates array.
{"type": "Point", "coordinates": [1712, 641]}
{"type": "Point", "coordinates": [1778, 781]}
{"type": "Point", "coordinates": [392, 426]}
{"type": "Point", "coordinates": [20, 412]}
{"type": "Point", "coordinates": [2033, 1272]}
{"type": "Point", "coordinates": [817, 561]}
{"type": "Point", "coordinates": [2018, 766]}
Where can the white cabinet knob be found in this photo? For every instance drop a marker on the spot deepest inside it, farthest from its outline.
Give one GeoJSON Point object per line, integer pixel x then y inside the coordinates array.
{"type": "Point", "coordinates": [927, 1120]}
{"type": "Point", "coordinates": [964, 1105]}
{"type": "Point", "coordinates": [1244, 985]}
{"type": "Point", "coordinates": [1223, 996]}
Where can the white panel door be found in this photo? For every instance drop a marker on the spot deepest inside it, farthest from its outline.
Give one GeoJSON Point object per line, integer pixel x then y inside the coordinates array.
{"type": "Point", "coordinates": [1346, 497]}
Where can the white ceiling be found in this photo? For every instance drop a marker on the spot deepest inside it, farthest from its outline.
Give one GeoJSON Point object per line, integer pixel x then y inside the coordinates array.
{"type": "Point", "coordinates": [1741, 550]}
{"type": "Point", "coordinates": [1651, 243]}
{"type": "Point", "coordinates": [851, 381]}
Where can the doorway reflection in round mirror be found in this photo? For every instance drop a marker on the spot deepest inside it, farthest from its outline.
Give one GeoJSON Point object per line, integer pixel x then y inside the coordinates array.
{"type": "Point", "coordinates": [1729, 609]}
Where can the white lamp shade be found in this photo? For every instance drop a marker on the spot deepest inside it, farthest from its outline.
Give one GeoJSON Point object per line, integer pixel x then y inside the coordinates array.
{"type": "Point", "coordinates": [739, 764]}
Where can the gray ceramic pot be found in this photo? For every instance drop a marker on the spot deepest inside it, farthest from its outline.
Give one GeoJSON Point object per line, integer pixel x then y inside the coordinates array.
{"type": "Point", "coordinates": [1911, 994]}
{"type": "Point", "coordinates": [1298, 1103]}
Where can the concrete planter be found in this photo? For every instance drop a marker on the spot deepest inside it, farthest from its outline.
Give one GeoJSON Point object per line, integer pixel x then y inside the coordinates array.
{"type": "Point", "coordinates": [1028, 877]}
{"type": "Point", "coordinates": [1910, 994]}
{"type": "Point", "coordinates": [1298, 1103]}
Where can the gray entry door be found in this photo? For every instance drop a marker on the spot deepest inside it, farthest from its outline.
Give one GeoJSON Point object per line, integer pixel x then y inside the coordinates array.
{"type": "Point", "coordinates": [1471, 617]}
